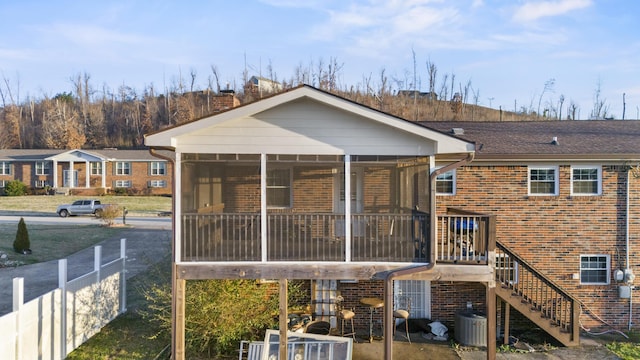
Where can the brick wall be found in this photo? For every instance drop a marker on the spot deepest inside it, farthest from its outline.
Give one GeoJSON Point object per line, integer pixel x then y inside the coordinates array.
{"type": "Point", "coordinates": [551, 232]}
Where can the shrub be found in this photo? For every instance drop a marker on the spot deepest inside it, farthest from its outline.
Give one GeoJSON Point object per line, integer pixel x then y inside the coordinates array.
{"type": "Point", "coordinates": [22, 244]}
{"type": "Point", "coordinates": [15, 188]}
{"type": "Point", "coordinates": [219, 313]}
{"type": "Point", "coordinates": [108, 214]}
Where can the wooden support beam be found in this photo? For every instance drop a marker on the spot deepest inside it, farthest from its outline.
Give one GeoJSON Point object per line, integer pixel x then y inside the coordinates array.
{"type": "Point", "coordinates": [284, 305]}
{"type": "Point", "coordinates": [178, 325]}
{"type": "Point", "coordinates": [491, 320]}
{"type": "Point", "coordinates": [507, 318]}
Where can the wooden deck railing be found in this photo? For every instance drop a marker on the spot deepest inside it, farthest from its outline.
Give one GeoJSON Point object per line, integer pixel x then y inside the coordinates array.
{"type": "Point", "coordinates": [464, 238]}
{"type": "Point", "coordinates": [539, 292]}
{"type": "Point", "coordinates": [305, 237]}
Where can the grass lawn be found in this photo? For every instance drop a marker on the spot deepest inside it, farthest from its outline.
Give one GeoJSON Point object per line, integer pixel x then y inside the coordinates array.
{"type": "Point", "coordinates": [51, 242]}
{"type": "Point", "coordinates": [48, 204]}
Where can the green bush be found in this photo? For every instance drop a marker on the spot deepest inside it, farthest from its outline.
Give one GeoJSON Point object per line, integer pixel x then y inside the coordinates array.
{"type": "Point", "coordinates": [22, 244]}
{"type": "Point", "coordinates": [219, 313]}
{"type": "Point", "coordinates": [15, 188]}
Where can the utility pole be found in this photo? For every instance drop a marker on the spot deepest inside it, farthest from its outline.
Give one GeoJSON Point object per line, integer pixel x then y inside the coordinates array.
{"type": "Point", "coordinates": [624, 105]}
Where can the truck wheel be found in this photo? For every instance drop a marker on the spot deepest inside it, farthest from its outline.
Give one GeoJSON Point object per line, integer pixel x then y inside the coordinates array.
{"type": "Point", "coordinates": [63, 213]}
{"type": "Point", "coordinates": [98, 213]}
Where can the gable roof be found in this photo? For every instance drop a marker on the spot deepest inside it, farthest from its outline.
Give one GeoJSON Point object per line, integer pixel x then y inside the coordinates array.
{"type": "Point", "coordinates": [533, 140]}
{"type": "Point", "coordinates": [295, 112]}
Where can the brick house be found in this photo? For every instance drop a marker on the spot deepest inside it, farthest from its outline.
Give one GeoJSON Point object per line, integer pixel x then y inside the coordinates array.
{"type": "Point", "coordinates": [91, 172]}
{"type": "Point", "coordinates": [261, 193]}
{"type": "Point", "coordinates": [565, 195]}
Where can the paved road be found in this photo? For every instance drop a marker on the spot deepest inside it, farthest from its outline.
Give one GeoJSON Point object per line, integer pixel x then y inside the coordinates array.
{"type": "Point", "coordinates": [144, 247]}
{"type": "Point", "coordinates": [147, 222]}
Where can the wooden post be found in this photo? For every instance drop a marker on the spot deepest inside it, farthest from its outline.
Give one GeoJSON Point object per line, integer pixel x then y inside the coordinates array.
{"type": "Point", "coordinates": [491, 320]}
{"type": "Point", "coordinates": [179, 320]}
{"type": "Point", "coordinates": [507, 315]}
{"type": "Point", "coordinates": [283, 318]}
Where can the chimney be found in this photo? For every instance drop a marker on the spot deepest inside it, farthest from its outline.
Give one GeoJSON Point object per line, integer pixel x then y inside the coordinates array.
{"type": "Point", "coordinates": [554, 141]}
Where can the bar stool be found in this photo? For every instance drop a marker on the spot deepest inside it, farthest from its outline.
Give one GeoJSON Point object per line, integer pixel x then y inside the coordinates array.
{"type": "Point", "coordinates": [345, 315]}
{"type": "Point", "coordinates": [402, 312]}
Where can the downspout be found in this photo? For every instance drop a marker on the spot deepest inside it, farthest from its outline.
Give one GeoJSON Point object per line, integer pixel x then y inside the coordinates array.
{"type": "Point", "coordinates": [153, 152]}
{"type": "Point", "coordinates": [393, 274]}
{"type": "Point", "coordinates": [628, 274]}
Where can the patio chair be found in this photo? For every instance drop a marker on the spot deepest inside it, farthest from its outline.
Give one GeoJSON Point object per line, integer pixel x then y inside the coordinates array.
{"type": "Point", "coordinates": [402, 311]}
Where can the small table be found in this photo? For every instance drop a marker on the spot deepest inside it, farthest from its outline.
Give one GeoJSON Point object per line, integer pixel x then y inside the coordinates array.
{"type": "Point", "coordinates": [372, 303]}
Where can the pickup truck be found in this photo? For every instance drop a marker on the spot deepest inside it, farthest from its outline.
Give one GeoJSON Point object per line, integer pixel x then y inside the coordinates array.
{"type": "Point", "coordinates": [80, 207]}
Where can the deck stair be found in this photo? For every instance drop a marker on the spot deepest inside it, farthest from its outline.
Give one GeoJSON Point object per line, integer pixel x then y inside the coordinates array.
{"type": "Point", "coordinates": [537, 297]}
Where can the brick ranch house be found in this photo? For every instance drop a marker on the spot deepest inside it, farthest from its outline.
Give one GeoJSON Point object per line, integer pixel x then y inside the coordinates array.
{"type": "Point", "coordinates": [261, 193]}
{"type": "Point", "coordinates": [90, 172]}
{"type": "Point", "coordinates": [447, 215]}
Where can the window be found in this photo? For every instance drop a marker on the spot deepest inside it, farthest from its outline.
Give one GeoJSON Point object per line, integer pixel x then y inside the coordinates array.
{"type": "Point", "coordinates": [40, 184]}
{"type": "Point", "coordinates": [157, 183]}
{"type": "Point", "coordinates": [594, 269]}
{"type": "Point", "coordinates": [123, 183]}
{"type": "Point", "coordinates": [279, 188]}
{"type": "Point", "coordinates": [446, 183]}
{"type": "Point", "coordinates": [5, 168]}
{"type": "Point", "coordinates": [585, 180]}
{"type": "Point", "coordinates": [543, 180]}
{"type": "Point", "coordinates": [506, 269]}
{"type": "Point", "coordinates": [42, 168]}
{"type": "Point", "coordinates": [123, 168]}
{"type": "Point", "coordinates": [3, 183]}
{"type": "Point", "coordinates": [158, 168]}
{"type": "Point", "coordinates": [96, 168]}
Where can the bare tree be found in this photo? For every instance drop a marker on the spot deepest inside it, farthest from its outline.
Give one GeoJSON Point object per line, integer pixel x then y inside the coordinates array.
{"type": "Point", "coordinates": [548, 87]}
{"type": "Point", "coordinates": [600, 108]}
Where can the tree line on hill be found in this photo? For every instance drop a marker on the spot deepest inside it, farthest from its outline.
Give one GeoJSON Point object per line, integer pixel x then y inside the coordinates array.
{"type": "Point", "coordinates": [87, 117]}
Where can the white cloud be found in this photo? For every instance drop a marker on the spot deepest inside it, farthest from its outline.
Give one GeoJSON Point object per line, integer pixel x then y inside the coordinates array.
{"type": "Point", "coordinates": [532, 11]}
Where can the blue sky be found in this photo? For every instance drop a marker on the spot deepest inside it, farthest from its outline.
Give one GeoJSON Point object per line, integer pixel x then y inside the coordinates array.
{"type": "Point", "coordinates": [506, 49]}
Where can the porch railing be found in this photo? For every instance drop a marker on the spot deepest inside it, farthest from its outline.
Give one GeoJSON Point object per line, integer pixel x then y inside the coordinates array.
{"type": "Point", "coordinates": [463, 237]}
{"type": "Point", "coordinates": [305, 237]}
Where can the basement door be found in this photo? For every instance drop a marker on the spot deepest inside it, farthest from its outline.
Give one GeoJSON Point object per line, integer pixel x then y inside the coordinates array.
{"type": "Point", "coordinates": [323, 300]}
{"type": "Point", "coordinates": [419, 293]}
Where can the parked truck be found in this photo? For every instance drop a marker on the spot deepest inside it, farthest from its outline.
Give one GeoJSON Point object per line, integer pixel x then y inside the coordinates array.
{"type": "Point", "coordinates": [80, 207]}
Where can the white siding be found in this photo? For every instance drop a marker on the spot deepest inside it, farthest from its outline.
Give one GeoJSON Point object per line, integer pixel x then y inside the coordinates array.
{"type": "Point", "coordinates": [305, 127]}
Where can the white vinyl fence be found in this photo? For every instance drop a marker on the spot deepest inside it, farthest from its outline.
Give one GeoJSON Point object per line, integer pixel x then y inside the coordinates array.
{"type": "Point", "coordinates": [56, 323]}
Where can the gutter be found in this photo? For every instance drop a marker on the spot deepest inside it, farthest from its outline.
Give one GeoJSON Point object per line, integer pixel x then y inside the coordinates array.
{"type": "Point", "coordinates": [393, 274]}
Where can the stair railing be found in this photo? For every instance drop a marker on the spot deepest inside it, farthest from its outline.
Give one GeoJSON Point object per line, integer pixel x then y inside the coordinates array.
{"type": "Point", "coordinates": [535, 289]}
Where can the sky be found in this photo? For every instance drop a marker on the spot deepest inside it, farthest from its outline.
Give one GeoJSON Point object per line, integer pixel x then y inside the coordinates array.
{"type": "Point", "coordinates": [509, 53]}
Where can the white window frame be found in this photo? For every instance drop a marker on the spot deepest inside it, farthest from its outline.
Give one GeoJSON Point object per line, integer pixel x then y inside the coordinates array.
{"type": "Point", "coordinates": [40, 184]}
{"type": "Point", "coordinates": [598, 169]}
{"type": "Point", "coordinates": [5, 168]}
{"type": "Point", "coordinates": [290, 186]}
{"type": "Point", "coordinates": [96, 167]}
{"type": "Point", "coordinates": [158, 168]}
{"type": "Point", "coordinates": [3, 183]}
{"type": "Point", "coordinates": [157, 183]}
{"type": "Point", "coordinates": [452, 181]}
{"type": "Point", "coordinates": [556, 181]}
{"type": "Point", "coordinates": [123, 168]}
{"type": "Point", "coordinates": [505, 264]}
{"type": "Point", "coordinates": [608, 269]}
{"type": "Point", "coordinates": [122, 183]}
{"type": "Point", "coordinates": [42, 168]}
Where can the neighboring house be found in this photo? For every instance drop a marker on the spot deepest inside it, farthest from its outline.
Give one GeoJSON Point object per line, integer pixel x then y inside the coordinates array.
{"type": "Point", "coordinates": [90, 172]}
{"type": "Point", "coordinates": [261, 193]}
{"type": "Point", "coordinates": [566, 195]}
{"type": "Point", "coordinates": [260, 86]}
